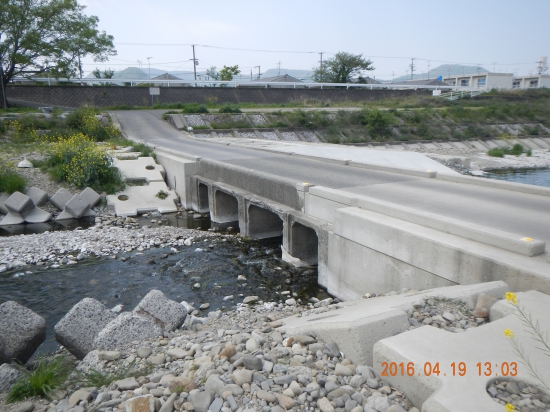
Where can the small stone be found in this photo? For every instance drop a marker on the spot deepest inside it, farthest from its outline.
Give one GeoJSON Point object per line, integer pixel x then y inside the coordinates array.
{"type": "Point", "coordinates": [109, 355]}
{"type": "Point", "coordinates": [266, 396]}
{"type": "Point", "coordinates": [144, 403]}
{"type": "Point", "coordinates": [250, 299]}
{"type": "Point", "coordinates": [202, 400]}
{"type": "Point", "coordinates": [25, 407]}
{"type": "Point", "coordinates": [157, 359]}
{"type": "Point", "coordinates": [325, 405]}
{"type": "Point", "coordinates": [342, 370]}
{"type": "Point", "coordinates": [290, 302]}
{"type": "Point", "coordinates": [144, 352]}
{"type": "Point", "coordinates": [228, 351]}
{"type": "Point", "coordinates": [512, 388]}
{"type": "Point", "coordinates": [204, 306]}
{"type": "Point", "coordinates": [252, 362]}
{"type": "Point", "coordinates": [252, 345]}
{"type": "Point", "coordinates": [78, 396]}
{"type": "Point", "coordinates": [395, 408]}
{"type": "Point", "coordinates": [242, 376]}
{"type": "Point", "coordinates": [128, 384]}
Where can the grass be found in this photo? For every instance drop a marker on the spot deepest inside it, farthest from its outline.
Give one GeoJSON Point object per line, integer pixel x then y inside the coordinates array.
{"type": "Point", "coordinates": [45, 375]}
{"type": "Point", "coordinates": [515, 150]}
{"type": "Point", "coordinates": [11, 181]}
{"type": "Point", "coordinates": [94, 377]}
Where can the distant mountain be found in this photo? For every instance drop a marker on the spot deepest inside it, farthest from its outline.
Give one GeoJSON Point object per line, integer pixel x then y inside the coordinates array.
{"type": "Point", "coordinates": [444, 70]}
{"type": "Point", "coordinates": [131, 73]}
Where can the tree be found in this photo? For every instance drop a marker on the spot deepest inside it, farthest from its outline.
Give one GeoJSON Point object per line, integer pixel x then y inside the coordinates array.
{"type": "Point", "coordinates": [48, 37]}
{"type": "Point", "coordinates": [213, 73]}
{"type": "Point", "coordinates": [341, 68]}
{"type": "Point", "coordinates": [227, 73]}
{"type": "Point", "coordinates": [105, 74]}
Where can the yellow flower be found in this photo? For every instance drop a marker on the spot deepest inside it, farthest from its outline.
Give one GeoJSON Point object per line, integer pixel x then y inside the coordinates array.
{"type": "Point", "coordinates": [509, 407]}
{"type": "Point", "coordinates": [512, 297]}
{"type": "Point", "coordinates": [508, 333]}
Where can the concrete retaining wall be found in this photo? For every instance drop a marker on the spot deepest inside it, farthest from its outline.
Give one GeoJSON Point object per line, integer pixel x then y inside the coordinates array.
{"type": "Point", "coordinates": [103, 96]}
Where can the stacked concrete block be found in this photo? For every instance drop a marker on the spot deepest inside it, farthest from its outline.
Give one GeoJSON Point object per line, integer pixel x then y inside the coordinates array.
{"type": "Point", "coordinates": [135, 200]}
{"type": "Point", "coordinates": [3, 198]}
{"type": "Point", "coordinates": [38, 196]}
{"type": "Point", "coordinates": [60, 199]}
{"type": "Point", "coordinates": [81, 325]}
{"type": "Point", "coordinates": [21, 332]}
{"type": "Point", "coordinates": [126, 328]}
{"type": "Point", "coordinates": [165, 312]}
{"type": "Point", "coordinates": [21, 209]}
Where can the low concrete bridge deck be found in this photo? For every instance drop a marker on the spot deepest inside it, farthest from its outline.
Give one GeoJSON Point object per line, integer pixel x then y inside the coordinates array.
{"type": "Point", "coordinates": [383, 222]}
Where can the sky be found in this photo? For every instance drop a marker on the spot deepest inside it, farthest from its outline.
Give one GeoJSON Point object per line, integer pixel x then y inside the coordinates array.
{"type": "Point", "coordinates": [503, 36]}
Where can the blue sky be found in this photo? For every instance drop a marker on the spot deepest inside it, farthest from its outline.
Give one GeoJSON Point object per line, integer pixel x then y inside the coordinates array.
{"type": "Point", "coordinates": [512, 34]}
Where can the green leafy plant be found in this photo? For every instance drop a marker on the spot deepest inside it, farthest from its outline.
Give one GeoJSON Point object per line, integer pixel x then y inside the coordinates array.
{"type": "Point", "coordinates": [10, 180]}
{"type": "Point", "coordinates": [515, 150]}
{"type": "Point", "coordinates": [44, 376]}
{"type": "Point", "coordinates": [162, 194]}
{"type": "Point", "coordinates": [228, 108]}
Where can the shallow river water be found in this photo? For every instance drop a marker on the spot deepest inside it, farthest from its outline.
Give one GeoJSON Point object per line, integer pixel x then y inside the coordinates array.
{"type": "Point", "coordinates": [539, 177]}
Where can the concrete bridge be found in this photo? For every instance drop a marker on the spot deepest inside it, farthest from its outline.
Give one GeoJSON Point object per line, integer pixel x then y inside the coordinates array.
{"type": "Point", "coordinates": [373, 221]}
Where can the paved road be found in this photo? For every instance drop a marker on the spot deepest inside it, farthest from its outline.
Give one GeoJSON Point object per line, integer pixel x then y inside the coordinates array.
{"type": "Point", "coordinates": [519, 213]}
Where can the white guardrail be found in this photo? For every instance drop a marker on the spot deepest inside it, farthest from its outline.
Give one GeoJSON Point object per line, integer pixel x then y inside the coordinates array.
{"type": "Point", "coordinates": [205, 83]}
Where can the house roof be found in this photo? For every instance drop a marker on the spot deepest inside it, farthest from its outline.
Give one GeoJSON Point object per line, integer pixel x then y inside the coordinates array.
{"type": "Point", "coordinates": [283, 78]}
{"type": "Point", "coordinates": [166, 76]}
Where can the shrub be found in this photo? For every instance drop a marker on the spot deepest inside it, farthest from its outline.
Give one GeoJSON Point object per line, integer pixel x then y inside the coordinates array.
{"type": "Point", "coordinates": [515, 150]}
{"type": "Point", "coordinates": [80, 162]}
{"type": "Point", "coordinates": [45, 376]}
{"type": "Point", "coordinates": [496, 152]}
{"type": "Point", "coordinates": [165, 115]}
{"type": "Point", "coordinates": [194, 108]}
{"type": "Point", "coordinates": [83, 120]}
{"type": "Point", "coordinates": [227, 108]}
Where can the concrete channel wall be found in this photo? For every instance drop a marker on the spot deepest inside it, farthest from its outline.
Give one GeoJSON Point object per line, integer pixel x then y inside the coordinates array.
{"type": "Point", "coordinates": [359, 244]}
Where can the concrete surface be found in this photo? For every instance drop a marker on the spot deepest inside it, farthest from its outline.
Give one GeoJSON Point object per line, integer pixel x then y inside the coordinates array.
{"type": "Point", "coordinates": [360, 324]}
{"type": "Point", "coordinates": [487, 343]}
{"type": "Point", "coordinates": [142, 168]}
{"type": "Point", "coordinates": [142, 199]}
{"type": "Point", "coordinates": [21, 209]}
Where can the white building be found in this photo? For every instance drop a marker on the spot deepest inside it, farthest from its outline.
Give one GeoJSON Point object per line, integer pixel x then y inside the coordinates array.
{"type": "Point", "coordinates": [532, 82]}
{"type": "Point", "coordinates": [482, 80]}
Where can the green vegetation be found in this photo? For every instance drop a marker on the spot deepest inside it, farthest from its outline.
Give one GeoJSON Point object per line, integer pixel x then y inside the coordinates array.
{"type": "Point", "coordinates": [341, 68]}
{"type": "Point", "coordinates": [44, 376]}
{"type": "Point", "coordinates": [228, 108]}
{"type": "Point", "coordinates": [515, 150]}
{"type": "Point", "coordinates": [162, 194]}
{"type": "Point", "coordinates": [10, 180]}
{"type": "Point", "coordinates": [94, 377]}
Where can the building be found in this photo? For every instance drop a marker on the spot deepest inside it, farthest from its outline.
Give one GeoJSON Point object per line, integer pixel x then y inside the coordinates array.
{"type": "Point", "coordinates": [164, 80]}
{"type": "Point", "coordinates": [537, 81]}
{"type": "Point", "coordinates": [422, 82]}
{"type": "Point", "coordinates": [283, 78]}
{"type": "Point", "coordinates": [482, 80]}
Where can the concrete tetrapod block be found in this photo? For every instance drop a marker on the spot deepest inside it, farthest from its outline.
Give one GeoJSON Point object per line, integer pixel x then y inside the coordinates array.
{"type": "Point", "coordinates": [91, 196]}
{"type": "Point", "coordinates": [22, 209]}
{"type": "Point", "coordinates": [486, 345]}
{"type": "Point", "coordinates": [135, 200]}
{"type": "Point", "coordinates": [168, 313]}
{"type": "Point", "coordinates": [38, 196]}
{"type": "Point", "coordinates": [3, 198]}
{"type": "Point", "coordinates": [142, 168]}
{"type": "Point", "coordinates": [19, 203]}
{"type": "Point", "coordinates": [78, 329]}
{"type": "Point", "coordinates": [78, 207]}
{"type": "Point", "coordinates": [359, 325]}
{"type": "Point", "coordinates": [9, 374]}
{"type": "Point", "coordinates": [124, 329]}
{"type": "Point", "coordinates": [60, 199]}
{"type": "Point", "coordinates": [21, 332]}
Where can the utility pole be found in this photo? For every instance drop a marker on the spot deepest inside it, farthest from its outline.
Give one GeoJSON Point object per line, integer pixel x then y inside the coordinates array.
{"type": "Point", "coordinates": [149, 60]}
{"type": "Point", "coordinates": [259, 74]}
{"type": "Point", "coordinates": [321, 67]}
{"type": "Point", "coordinates": [412, 68]}
{"type": "Point", "coordinates": [279, 68]}
{"type": "Point", "coordinates": [194, 65]}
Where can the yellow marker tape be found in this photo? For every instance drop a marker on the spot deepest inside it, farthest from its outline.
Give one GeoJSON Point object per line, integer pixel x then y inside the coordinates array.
{"type": "Point", "coordinates": [526, 239]}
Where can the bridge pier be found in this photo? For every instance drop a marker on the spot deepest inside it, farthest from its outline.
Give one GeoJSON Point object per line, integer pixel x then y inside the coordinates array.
{"type": "Point", "coordinates": [225, 207]}
{"type": "Point", "coordinates": [262, 223]}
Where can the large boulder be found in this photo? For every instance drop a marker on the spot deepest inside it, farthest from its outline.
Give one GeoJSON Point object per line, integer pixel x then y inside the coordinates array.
{"type": "Point", "coordinates": [21, 332]}
{"type": "Point", "coordinates": [81, 325]}
{"type": "Point", "coordinates": [165, 312]}
{"type": "Point", "coordinates": [124, 329]}
{"type": "Point", "coordinates": [9, 374]}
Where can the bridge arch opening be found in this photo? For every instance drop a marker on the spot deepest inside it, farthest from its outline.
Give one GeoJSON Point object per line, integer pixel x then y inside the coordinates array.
{"type": "Point", "coordinates": [226, 208]}
{"type": "Point", "coordinates": [263, 223]}
{"type": "Point", "coordinates": [304, 243]}
{"type": "Point", "coordinates": [204, 205]}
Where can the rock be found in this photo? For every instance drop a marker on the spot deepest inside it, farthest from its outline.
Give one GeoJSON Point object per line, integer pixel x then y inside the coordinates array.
{"type": "Point", "coordinates": [395, 408]}
{"type": "Point", "coordinates": [109, 355]}
{"type": "Point", "coordinates": [372, 383]}
{"type": "Point", "coordinates": [25, 407]}
{"type": "Point", "coordinates": [102, 397]}
{"type": "Point", "coordinates": [485, 301]}
{"type": "Point", "coordinates": [449, 316]}
{"type": "Point", "coordinates": [128, 384]}
{"type": "Point", "coordinates": [21, 332]}
{"type": "Point", "coordinates": [356, 381]}
{"type": "Point", "coordinates": [169, 404]}
{"type": "Point", "coordinates": [202, 400]}
{"type": "Point", "coordinates": [124, 329]}
{"type": "Point", "coordinates": [78, 329]}
{"type": "Point", "coordinates": [252, 362]}
{"type": "Point", "coordinates": [182, 385]}
{"type": "Point", "coordinates": [305, 340]}
{"type": "Point", "coordinates": [512, 388]}
{"type": "Point", "coordinates": [228, 351]}
{"type": "Point", "coordinates": [266, 396]}
{"type": "Point", "coordinates": [78, 396]}
{"type": "Point", "coordinates": [332, 349]}
{"type": "Point", "coordinates": [214, 384]}
{"type": "Point", "coordinates": [159, 359]}
{"type": "Point", "coordinates": [168, 313]}
{"type": "Point", "coordinates": [379, 404]}
{"type": "Point", "coordinates": [250, 299]}
{"type": "Point", "coordinates": [325, 405]}
{"type": "Point", "coordinates": [285, 402]}
{"type": "Point", "coordinates": [145, 352]}
{"type": "Point", "coordinates": [177, 353]}
{"type": "Point", "coordinates": [242, 376]}
{"type": "Point", "coordinates": [252, 345]}
{"type": "Point", "coordinates": [480, 313]}
{"type": "Point", "coordinates": [342, 370]}
{"type": "Point", "coordinates": [145, 403]}
{"type": "Point", "coordinates": [204, 306]}
{"type": "Point", "coordinates": [8, 376]}
{"type": "Point", "coordinates": [216, 405]}
{"type": "Point", "coordinates": [290, 301]}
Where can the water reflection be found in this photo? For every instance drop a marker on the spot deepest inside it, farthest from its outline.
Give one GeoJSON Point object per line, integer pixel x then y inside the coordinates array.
{"type": "Point", "coordinates": [538, 177]}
